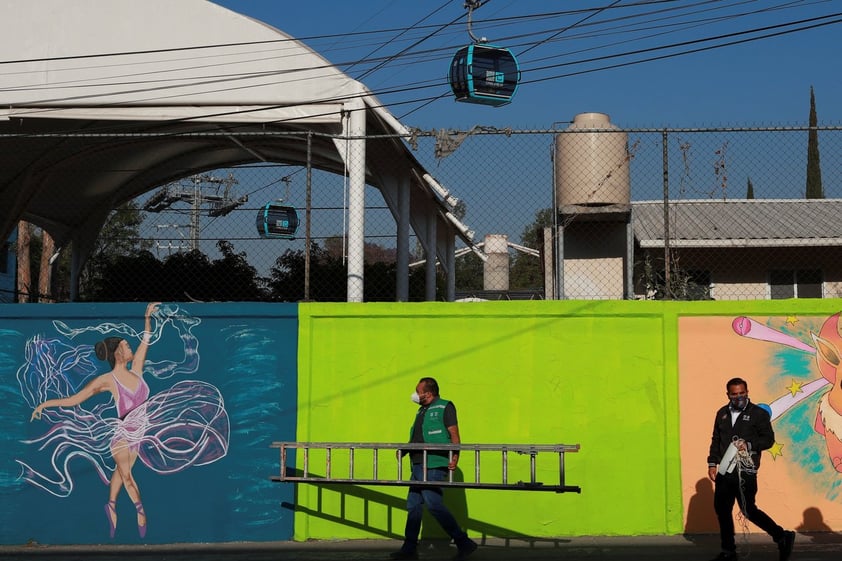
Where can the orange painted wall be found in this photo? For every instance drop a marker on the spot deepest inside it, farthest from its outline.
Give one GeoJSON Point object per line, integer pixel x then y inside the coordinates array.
{"type": "Point", "coordinates": [799, 486]}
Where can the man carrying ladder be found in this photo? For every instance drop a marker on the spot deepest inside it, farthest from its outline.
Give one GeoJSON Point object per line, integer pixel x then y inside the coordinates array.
{"type": "Point", "coordinates": [435, 422]}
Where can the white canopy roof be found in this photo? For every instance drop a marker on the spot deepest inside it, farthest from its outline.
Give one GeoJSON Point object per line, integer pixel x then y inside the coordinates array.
{"type": "Point", "coordinates": [107, 99]}
{"type": "Point", "coordinates": [189, 54]}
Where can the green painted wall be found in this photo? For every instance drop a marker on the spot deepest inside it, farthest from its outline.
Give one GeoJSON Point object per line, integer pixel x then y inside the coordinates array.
{"type": "Point", "coordinates": [588, 373]}
{"type": "Point", "coordinates": [601, 374]}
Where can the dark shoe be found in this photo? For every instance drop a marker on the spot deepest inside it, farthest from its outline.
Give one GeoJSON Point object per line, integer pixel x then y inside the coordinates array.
{"type": "Point", "coordinates": [726, 556]}
{"type": "Point", "coordinates": [785, 545]}
{"type": "Point", "coordinates": [403, 554]}
{"type": "Point", "coordinates": [465, 551]}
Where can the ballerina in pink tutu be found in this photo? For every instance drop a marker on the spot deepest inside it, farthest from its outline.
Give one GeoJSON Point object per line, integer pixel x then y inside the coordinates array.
{"type": "Point", "coordinates": [182, 426]}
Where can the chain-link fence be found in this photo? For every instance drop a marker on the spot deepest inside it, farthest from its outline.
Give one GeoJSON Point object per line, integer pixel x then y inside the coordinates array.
{"type": "Point", "coordinates": [561, 213]}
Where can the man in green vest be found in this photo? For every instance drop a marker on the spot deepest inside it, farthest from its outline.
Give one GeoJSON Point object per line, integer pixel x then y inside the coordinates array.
{"type": "Point", "coordinates": [435, 422]}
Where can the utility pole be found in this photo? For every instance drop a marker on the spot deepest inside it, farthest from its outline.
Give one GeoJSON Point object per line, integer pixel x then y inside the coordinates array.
{"type": "Point", "coordinates": [204, 193]}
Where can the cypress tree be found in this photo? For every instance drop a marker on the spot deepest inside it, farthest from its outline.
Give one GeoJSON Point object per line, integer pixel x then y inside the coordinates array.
{"type": "Point", "coordinates": [814, 171]}
{"type": "Point", "coordinates": [749, 190]}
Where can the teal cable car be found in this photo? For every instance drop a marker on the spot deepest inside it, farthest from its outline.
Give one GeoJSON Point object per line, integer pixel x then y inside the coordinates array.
{"type": "Point", "coordinates": [484, 74]}
{"type": "Point", "coordinates": [275, 220]}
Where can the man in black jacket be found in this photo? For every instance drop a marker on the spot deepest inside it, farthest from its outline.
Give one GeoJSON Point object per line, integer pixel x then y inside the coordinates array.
{"type": "Point", "coordinates": [741, 431]}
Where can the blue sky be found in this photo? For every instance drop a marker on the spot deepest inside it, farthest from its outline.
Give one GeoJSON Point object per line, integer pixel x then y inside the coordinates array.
{"type": "Point", "coordinates": [759, 82]}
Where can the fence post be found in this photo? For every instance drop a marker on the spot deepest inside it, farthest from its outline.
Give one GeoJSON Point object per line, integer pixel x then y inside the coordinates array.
{"type": "Point", "coordinates": [308, 204]}
{"type": "Point", "coordinates": [667, 283]}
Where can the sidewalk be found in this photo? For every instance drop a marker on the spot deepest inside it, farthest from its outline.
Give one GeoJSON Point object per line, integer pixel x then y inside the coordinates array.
{"type": "Point", "coordinates": [758, 547]}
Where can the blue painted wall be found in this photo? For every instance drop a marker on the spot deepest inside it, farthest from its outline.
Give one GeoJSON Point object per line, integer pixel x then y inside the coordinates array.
{"type": "Point", "coordinates": [51, 487]}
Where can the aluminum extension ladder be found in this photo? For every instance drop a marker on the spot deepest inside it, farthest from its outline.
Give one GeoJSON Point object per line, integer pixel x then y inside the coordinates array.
{"type": "Point", "coordinates": [340, 464]}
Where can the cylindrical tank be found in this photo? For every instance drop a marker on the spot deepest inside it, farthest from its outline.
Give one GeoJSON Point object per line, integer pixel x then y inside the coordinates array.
{"type": "Point", "coordinates": [496, 268]}
{"type": "Point", "coordinates": [591, 168]}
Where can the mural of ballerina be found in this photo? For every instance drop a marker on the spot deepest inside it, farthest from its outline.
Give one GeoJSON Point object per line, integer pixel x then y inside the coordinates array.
{"type": "Point", "coordinates": [182, 426]}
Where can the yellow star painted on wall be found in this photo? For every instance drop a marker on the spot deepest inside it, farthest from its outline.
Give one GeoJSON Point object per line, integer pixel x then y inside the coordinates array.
{"type": "Point", "coordinates": [794, 388]}
{"type": "Point", "coordinates": [775, 450]}
{"type": "Point", "coordinates": [792, 320]}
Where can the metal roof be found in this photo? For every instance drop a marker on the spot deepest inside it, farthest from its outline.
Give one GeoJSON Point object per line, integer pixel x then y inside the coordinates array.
{"type": "Point", "coordinates": [740, 223]}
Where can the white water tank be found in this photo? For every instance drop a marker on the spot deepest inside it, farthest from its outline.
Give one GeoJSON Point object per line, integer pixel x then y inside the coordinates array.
{"type": "Point", "coordinates": [591, 163]}
{"type": "Point", "coordinates": [496, 268]}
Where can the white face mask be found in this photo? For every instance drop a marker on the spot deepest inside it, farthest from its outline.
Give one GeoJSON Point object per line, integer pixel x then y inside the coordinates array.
{"type": "Point", "coordinates": [415, 398]}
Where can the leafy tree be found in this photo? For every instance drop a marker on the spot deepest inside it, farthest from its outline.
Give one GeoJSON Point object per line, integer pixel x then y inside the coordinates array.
{"type": "Point", "coordinates": [234, 277]}
{"type": "Point", "coordinates": [814, 171]}
{"type": "Point", "coordinates": [138, 277]}
{"type": "Point", "coordinates": [327, 273]}
{"type": "Point", "coordinates": [372, 252]}
{"type": "Point", "coordinates": [380, 281]}
{"type": "Point", "coordinates": [185, 276]}
{"type": "Point", "coordinates": [335, 247]}
{"type": "Point", "coordinates": [121, 267]}
{"type": "Point", "coordinates": [192, 275]}
{"type": "Point", "coordinates": [181, 277]}
{"type": "Point", "coordinates": [469, 272]}
{"type": "Point", "coordinates": [527, 271]}
{"type": "Point", "coordinates": [329, 276]}
{"type": "Point", "coordinates": [119, 238]}
{"type": "Point", "coordinates": [469, 267]}
{"type": "Point", "coordinates": [683, 285]}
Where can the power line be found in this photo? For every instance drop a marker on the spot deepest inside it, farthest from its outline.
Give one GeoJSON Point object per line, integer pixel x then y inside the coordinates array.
{"type": "Point", "coordinates": [569, 27]}
{"type": "Point", "coordinates": [837, 15]}
{"type": "Point", "coordinates": [350, 63]}
{"type": "Point", "coordinates": [392, 57]}
{"type": "Point", "coordinates": [209, 81]}
{"type": "Point", "coordinates": [650, 24]}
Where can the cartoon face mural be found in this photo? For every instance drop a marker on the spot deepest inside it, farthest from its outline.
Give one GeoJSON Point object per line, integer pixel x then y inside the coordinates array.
{"type": "Point", "coordinates": [181, 426]}
{"type": "Point", "coordinates": [791, 364]}
{"type": "Point", "coordinates": [827, 343]}
{"type": "Point", "coordinates": [829, 415]}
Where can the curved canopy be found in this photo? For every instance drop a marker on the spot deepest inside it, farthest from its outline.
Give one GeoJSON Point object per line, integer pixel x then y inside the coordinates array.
{"type": "Point", "coordinates": [109, 99]}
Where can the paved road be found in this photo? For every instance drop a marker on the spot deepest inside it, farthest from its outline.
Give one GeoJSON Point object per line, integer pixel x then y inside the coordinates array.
{"type": "Point", "coordinates": [757, 547]}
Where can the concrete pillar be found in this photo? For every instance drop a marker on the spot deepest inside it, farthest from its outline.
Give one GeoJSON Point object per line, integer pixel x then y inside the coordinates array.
{"type": "Point", "coordinates": [355, 137]}
{"type": "Point", "coordinates": [402, 288]}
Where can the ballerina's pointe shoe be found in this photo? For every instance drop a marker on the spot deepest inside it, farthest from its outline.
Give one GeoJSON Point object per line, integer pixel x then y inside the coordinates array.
{"type": "Point", "coordinates": [111, 515]}
{"type": "Point", "coordinates": [141, 528]}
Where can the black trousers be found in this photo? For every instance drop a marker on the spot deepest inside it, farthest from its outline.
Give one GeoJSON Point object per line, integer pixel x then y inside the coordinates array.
{"type": "Point", "coordinates": [743, 489]}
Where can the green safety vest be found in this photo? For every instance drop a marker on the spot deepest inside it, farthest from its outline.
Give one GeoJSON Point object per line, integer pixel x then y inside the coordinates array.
{"type": "Point", "coordinates": [433, 430]}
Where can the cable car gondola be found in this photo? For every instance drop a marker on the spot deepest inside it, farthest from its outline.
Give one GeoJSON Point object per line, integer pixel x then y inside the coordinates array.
{"type": "Point", "coordinates": [275, 220]}
{"type": "Point", "coordinates": [485, 74]}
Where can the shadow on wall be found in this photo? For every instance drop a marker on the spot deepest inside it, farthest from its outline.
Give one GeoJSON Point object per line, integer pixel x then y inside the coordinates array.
{"type": "Point", "coordinates": [371, 500]}
{"type": "Point", "coordinates": [701, 519]}
{"type": "Point", "coordinates": [814, 527]}
{"type": "Point", "coordinates": [432, 535]}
